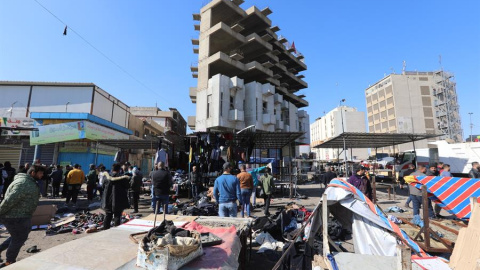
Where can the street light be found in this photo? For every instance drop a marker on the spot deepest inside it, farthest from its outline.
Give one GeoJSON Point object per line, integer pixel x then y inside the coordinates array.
{"type": "Point", "coordinates": [343, 135]}
{"type": "Point", "coordinates": [11, 108]}
{"type": "Point", "coordinates": [471, 126]}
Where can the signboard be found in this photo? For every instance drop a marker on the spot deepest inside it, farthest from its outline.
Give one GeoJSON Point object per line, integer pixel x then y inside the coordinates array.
{"type": "Point", "coordinates": [13, 123]}
{"type": "Point", "coordinates": [73, 131]}
{"type": "Point", "coordinates": [74, 147]}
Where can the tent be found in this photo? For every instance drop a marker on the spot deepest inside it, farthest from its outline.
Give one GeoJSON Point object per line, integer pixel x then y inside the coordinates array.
{"type": "Point", "coordinates": [373, 233]}
{"type": "Point", "coordinates": [451, 193]}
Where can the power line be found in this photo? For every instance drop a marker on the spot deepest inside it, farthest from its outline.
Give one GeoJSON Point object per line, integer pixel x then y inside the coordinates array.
{"type": "Point", "coordinates": [100, 52]}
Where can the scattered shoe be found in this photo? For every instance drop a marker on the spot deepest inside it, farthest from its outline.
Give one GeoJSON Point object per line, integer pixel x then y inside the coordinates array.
{"type": "Point", "coordinates": [33, 249]}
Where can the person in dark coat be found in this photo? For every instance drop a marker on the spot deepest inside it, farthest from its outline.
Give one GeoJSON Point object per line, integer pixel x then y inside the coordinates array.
{"type": "Point", "coordinates": [115, 197]}
{"type": "Point", "coordinates": [135, 188]}
{"type": "Point", "coordinates": [56, 177]}
{"type": "Point", "coordinates": [162, 182]}
{"type": "Point", "coordinates": [360, 181]}
{"type": "Point", "coordinates": [328, 176]}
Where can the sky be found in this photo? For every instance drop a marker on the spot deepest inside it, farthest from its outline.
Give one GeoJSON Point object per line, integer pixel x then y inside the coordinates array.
{"type": "Point", "coordinates": [141, 53]}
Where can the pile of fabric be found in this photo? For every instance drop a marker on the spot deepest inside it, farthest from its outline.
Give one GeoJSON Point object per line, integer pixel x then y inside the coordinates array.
{"type": "Point", "coordinates": [82, 222]}
{"type": "Point", "coordinates": [168, 247]}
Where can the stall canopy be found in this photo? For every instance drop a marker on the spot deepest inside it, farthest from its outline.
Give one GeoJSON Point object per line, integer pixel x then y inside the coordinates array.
{"type": "Point", "coordinates": [373, 140]}
{"type": "Point", "coordinates": [265, 139]}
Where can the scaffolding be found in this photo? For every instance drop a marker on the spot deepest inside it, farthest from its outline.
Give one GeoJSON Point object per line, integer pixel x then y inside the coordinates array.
{"type": "Point", "coordinates": [446, 106]}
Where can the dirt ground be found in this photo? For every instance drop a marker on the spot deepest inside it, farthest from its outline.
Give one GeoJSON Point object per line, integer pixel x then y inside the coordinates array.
{"type": "Point", "coordinates": [312, 191]}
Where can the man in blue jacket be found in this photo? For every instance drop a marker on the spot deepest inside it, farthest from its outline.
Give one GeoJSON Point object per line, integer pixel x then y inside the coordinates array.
{"type": "Point", "coordinates": [227, 191]}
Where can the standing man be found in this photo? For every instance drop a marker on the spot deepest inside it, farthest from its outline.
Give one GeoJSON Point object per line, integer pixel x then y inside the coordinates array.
{"type": "Point", "coordinates": [446, 171]}
{"type": "Point", "coordinates": [162, 182]}
{"type": "Point", "coordinates": [254, 174]}
{"type": "Point", "coordinates": [328, 176]}
{"type": "Point", "coordinates": [195, 181]}
{"type": "Point", "coordinates": [416, 194]}
{"type": "Point", "coordinates": [68, 168]}
{"type": "Point", "coordinates": [135, 187]}
{"type": "Point", "coordinates": [474, 172]}
{"type": "Point", "coordinates": [74, 181]}
{"type": "Point", "coordinates": [16, 211]}
{"type": "Point", "coordinates": [91, 182]}
{"type": "Point", "coordinates": [115, 197]}
{"type": "Point", "coordinates": [268, 186]}
{"type": "Point", "coordinates": [409, 171]}
{"type": "Point", "coordinates": [246, 187]}
{"type": "Point", "coordinates": [360, 181]}
{"type": "Point", "coordinates": [432, 170]}
{"type": "Point", "coordinates": [227, 191]}
{"type": "Point", "coordinates": [56, 177]}
{"type": "Point", "coordinates": [9, 174]}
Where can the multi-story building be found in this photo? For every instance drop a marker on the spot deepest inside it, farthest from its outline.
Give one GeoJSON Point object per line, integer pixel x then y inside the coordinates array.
{"type": "Point", "coordinates": [174, 130]}
{"type": "Point", "coordinates": [246, 74]}
{"type": "Point", "coordinates": [414, 102]}
{"type": "Point", "coordinates": [330, 125]}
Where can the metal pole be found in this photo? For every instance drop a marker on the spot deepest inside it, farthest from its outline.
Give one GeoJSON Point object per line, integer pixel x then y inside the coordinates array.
{"type": "Point", "coordinates": [343, 136]}
{"type": "Point", "coordinates": [471, 127]}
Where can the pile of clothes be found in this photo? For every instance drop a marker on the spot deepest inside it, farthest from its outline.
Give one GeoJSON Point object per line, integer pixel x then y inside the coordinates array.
{"type": "Point", "coordinates": [84, 222]}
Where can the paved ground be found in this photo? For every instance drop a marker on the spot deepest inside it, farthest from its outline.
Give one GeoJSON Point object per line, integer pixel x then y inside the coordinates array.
{"type": "Point", "coordinates": [312, 191]}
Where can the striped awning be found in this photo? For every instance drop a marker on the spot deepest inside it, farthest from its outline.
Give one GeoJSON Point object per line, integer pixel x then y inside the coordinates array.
{"type": "Point", "coordinates": [451, 193]}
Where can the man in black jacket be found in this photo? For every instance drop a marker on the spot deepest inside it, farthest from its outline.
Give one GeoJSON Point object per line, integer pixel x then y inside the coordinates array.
{"type": "Point", "coordinates": [162, 182]}
{"type": "Point", "coordinates": [115, 197]}
{"type": "Point", "coordinates": [474, 172]}
{"type": "Point", "coordinates": [195, 181]}
{"type": "Point", "coordinates": [328, 176]}
{"type": "Point", "coordinates": [56, 177]}
{"type": "Point", "coordinates": [135, 187]}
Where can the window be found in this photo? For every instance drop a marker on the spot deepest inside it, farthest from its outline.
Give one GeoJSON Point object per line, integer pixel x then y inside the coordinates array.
{"type": "Point", "coordinates": [221, 104]}
{"type": "Point", "coordinates": [256, 109]}
{"type": "Point", "coordinates": [137, 134]}
{"type": "Point", "coordinates": [264, 107]}
{"type": "Point", "coordinates": [209, 104]}
{"type": "Point", "coordinates": [232, 102]}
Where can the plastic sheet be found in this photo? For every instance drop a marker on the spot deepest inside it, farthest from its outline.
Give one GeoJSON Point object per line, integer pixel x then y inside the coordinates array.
{"type": "Point", "coordinates": [223, 256]}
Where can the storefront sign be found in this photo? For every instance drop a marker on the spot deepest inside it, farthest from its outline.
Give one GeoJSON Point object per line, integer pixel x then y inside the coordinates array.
{"type": "Point", "coordinates": [16, 122]}
{"type": "Point", "coordinates": [73, 131]}
{"type": "Point", "coordinates": [74, 147]}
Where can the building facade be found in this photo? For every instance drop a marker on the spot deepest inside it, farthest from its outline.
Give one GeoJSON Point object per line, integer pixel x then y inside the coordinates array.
{"type": "Point", "coordinates": [414, 102]}
{"type": "Point", "coordinates": [72, 122]}
{"type": "Point", "coordinates": [246, 73]}
{"type": "Point", "coordinates": [330, 125]}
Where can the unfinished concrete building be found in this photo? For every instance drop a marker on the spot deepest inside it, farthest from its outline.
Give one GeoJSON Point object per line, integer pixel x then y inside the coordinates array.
{"type": "Point", "coordinates": [246, 73]}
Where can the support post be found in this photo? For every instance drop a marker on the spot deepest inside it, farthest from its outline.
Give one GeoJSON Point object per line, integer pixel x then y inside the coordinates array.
{"type": "Point", "coordinates": [326, 247]}
{"type": "Point", "coordinates": [374, 189]}
{"type": "Point", "coordinates": [426, 217]}
{"type": "Point", "coordinates": [404, 258]}
{"type": "Point", "coordinates": [36, 153]}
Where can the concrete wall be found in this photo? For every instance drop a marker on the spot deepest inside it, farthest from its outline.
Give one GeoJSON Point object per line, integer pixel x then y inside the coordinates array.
{"type": "Point", "coordinates": [11, 94]}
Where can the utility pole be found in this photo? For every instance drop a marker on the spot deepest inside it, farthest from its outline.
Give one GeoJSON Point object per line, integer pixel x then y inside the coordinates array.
{"type": "Point", "coordinates": [343, 135]}
{"type": "Point", "coordinates": [471, 127]}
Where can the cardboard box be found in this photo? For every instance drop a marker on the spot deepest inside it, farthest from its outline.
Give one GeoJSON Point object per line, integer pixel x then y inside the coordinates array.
{"type": "Point", "coordinates": [43, 214]}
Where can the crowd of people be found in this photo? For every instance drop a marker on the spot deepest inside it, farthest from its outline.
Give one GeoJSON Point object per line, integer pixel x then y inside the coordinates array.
{"type": "Point", "coordinates": [118, 190]}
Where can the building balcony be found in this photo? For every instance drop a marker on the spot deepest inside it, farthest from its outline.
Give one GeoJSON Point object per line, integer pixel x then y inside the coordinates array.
{"type": "Point", "coordinates": [269, 119]}
{"type": "Point", "coordinates": [285, 104]}
{"type": "Point", "coordinates": [254, 21]}
{"type": "Point", "coordinates": [191, 122]}
{"type": "Point", "coordinates": [268, 92]}
{"type": "Point", "coordinates": [227, 39]}
{"type": "Point", "coordinates": [278, 99]}
{"type": "Point", "coordinates": [287, 128]}
{"type": "Point", "coordinates": [196, 17]}
{"type": "Point", "coordinates": [236, 115]}
{"type": "Point", "coordinates": [302, 114]}
{"type": "Point", "coordinates": [193, 94]}
{"type": "Point", "coordinates": [279, 125]}
{"type": "Point", "coordinates": [196, 27]}
{"type": "Point", "coordinates": [273, 81]}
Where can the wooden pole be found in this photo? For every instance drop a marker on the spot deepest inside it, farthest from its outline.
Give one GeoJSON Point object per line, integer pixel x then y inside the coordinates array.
{"type": "Point", "coordinates": [404, 258]}
{"type": "Point", "coordinates": [426, 217]}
